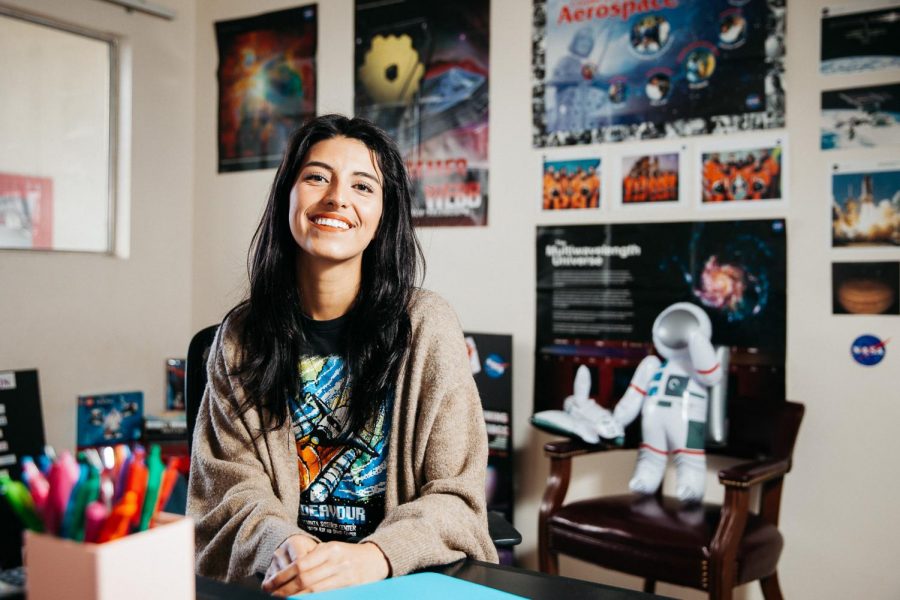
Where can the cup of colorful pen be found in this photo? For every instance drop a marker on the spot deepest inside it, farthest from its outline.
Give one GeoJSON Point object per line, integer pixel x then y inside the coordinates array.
{"type": "Point", "coordinates": [99, 496]}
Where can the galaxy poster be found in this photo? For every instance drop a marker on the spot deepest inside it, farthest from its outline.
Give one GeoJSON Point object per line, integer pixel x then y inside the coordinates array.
{"type": "Point", "coordinates": [651, 178]}
{"type": "Point", "coordinates": [864, 117]}
{"type": "Point", "coordinates": [267, 85]}
{"type": "Point", "coordinates": [613, 70]}
{"type": "Point", "coordinates": [742, 175]}
{"type": "Point", "coordinates": [865, 288]}
{"type": "Point", "coordinates": [108, 419]}
{"type": "Point", "coordinates": [865, 208]}
{"type": "Point", "coordinates": [26, 212]}
{"type": "Point", "coordinates": [571, 184]}
{"type": "Point", "coordinates": [421, 74]}
{"type": "Point", "coordinates": [860, 39]}
{"type": "Point", "coordinates": [600, 287]}
{"type": "Point", "coordinates": [490, 356]}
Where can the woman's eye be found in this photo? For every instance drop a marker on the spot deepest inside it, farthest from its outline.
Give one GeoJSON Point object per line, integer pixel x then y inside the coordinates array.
{"type": "Point", "coordinates": [364, 187]}
{"type": "Point", "coordinates": [314, 177]}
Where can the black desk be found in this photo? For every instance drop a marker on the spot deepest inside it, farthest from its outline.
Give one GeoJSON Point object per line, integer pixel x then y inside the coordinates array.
{"type": "Point", "coordinates": [529, 584]}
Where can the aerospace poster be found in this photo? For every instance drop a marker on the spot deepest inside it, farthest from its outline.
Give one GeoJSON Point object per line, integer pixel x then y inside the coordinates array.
{"type": "Point", "coordinates": [26, 212]}
{"type": "Point", "coordinates": [865, 206]}
{"type": "Point", "coordinates": [863, 117]}
{"type": "Point", "coordinates": [421, 74]}
{"type": "Point", "coordinates": [856, 39]}
{"type": "Point", "coordinates": [865, 288]}
{"type": "Point", "coordinates": [571, 184]}
{"type": "Point", "coordinates": [267, 85]}
{"type": "Point", "coordinates": [600, 287]}
{"type": "Point", "coordinates": [612, 70]}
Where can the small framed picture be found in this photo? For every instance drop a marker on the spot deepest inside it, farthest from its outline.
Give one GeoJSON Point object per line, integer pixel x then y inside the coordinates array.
{"type": "Point", "coordinates": [649, 175]}
{"type": "Point", "coordinates": [865, 205]}
{"type": "Point", "coordinates": [750, 171]}
{"type": "Point", "coordinates": [571, 184]}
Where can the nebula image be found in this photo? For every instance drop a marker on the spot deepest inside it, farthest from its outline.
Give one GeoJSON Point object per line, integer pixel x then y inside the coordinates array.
{"type": "Point", "coordinates": [730, 278]}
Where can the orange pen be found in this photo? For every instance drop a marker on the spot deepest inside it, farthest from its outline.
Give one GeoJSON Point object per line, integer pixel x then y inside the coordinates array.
{"type": "Point", "coordinates": [168, 482]}
{"type": "Point", "coordinates": [118, 522]}
{"type": "Point", "coordinates": [137, 483]}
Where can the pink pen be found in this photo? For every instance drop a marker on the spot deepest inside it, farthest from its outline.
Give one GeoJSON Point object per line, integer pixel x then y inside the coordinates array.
{"type": "Point", "coordinates": [37, 484]}
{"type": "Point", "coordinates": [94, 518]}
{"type": "Point", "coordinates": [62, 478]}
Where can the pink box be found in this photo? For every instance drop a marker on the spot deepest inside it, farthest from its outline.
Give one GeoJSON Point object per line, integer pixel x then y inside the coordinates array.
{"type": "Point", "coordinates": [153, 564]}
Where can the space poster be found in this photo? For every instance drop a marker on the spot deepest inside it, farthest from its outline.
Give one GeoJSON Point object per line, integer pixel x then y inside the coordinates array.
{"type": "Point", "coordinates": [421, 74]}
{"type": "Point", "coordinates": [26, 212]}
{"type": "Point", "coordinates": [613, 70]}
{"type": "Point", "coordinates": [863, 117]}
{"type": "Point", "coordinates": [865, 205]}
{"type": "Point", "coordinates": [267, 85]}
{"type": "Point", "coordinates": [490, 358]}
{"type": "Point", "coordinates": [860, 38]}
{"type": "Point", "coordinates": [600, 287]}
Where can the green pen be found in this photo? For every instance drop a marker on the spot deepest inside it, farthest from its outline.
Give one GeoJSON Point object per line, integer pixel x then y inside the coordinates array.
{"type": "Point", "coordinates": [88, 492]}
{"type": "Point", "coordinates": [155, 469]}
{"type": "Point", "coordinates": [20, 501]}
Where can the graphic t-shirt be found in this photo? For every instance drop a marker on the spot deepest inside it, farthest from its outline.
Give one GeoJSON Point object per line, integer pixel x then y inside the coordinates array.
{"type": "Point", "coordinates": [342, 484]}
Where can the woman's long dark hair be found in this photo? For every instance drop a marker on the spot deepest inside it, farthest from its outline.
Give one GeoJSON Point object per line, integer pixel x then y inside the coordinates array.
{"type": "Point", "coordinates": [270, 322]}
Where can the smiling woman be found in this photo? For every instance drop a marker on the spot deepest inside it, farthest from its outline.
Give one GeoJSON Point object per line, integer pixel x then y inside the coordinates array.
{"type": "Point", "coordinates": [340, 439]}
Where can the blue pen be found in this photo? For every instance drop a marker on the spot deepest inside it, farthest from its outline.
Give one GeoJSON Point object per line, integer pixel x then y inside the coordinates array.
{"type": "Point", "coordinates": [25, 472]}
{"type": "Point", "coordinates": [66, 529]}
{"type": "Point", "coordinates": [44, 464]}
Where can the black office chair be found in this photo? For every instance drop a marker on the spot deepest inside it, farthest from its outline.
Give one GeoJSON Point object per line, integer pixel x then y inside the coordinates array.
{"type": "Point", "coordinates": [503, 534]}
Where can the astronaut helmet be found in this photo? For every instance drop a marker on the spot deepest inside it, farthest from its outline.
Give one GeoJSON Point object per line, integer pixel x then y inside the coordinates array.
{"type": "Point", "coordinates": [673, 328]}
{"type": "Point", "coordinates": [582, 43]}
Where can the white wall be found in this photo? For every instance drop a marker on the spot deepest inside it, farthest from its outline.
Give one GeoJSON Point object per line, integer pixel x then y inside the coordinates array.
{"type": "Point", "coordinates": [838, 519]}
{"type": "Point", "coordinates": [94, 323]}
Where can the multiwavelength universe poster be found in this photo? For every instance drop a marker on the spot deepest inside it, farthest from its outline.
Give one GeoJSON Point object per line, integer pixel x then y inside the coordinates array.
{"type": "Point", "coordinates": [600, 287]}
{"type": "Point", "coordinates": [856, 39]}
{"type": "Point", "coordinates": [610, 70]}
{"type": "Point", "coordinates": [267, 85]}
{"type": "Point", "coordinates": [863, 117]}
{"type": "Point", "coordinates": [421, 74]}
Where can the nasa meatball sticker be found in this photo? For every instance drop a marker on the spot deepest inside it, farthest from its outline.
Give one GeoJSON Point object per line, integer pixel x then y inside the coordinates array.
{"type": "Point", "coordinates": [495, 366]}
{"type": "Point", "coordinates": [868, 350]}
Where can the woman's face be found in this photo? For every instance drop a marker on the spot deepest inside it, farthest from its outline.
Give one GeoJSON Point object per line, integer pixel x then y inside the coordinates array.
{"type": "Point", "coordinates": [336, 203]}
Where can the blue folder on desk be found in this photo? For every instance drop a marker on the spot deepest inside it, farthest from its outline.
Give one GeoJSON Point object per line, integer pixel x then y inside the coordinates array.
{"type": "Point", "coordinates": [433, 586]}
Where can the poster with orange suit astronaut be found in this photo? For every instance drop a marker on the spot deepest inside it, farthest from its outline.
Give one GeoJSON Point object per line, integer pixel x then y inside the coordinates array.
{"type": "Point", "coordinates": [750, 173]}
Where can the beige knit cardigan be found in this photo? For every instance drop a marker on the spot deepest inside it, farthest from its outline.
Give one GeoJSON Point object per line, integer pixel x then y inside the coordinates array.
{"type": "Point", "coordinates": [244, 491]}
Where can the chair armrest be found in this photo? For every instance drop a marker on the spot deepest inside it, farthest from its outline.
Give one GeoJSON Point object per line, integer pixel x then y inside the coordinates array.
{"type": "Point", "coordinates": [570, 448]}
{"type": "Point", "coordinates": [749, 474]}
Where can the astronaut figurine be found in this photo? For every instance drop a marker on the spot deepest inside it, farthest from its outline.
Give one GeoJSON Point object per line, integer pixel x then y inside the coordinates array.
{"type": "Point", "coordinates": [672, 396]}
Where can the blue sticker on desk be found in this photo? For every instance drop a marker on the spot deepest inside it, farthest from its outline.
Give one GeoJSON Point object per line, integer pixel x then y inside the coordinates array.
{"type": "Point", "coordinates": [495, 366]}
{"type": "Point", "coordinates": [868, 350]}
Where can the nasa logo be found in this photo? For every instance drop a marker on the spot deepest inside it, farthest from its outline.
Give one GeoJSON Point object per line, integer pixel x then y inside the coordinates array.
{"type": "Point", "coordinates": [868, 350]}
{"type": "Point", "coordinates": [494, 366]}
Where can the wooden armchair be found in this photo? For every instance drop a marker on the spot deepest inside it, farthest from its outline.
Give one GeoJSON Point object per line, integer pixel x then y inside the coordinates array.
{"type": "Point", "coordinates": [704, 546]}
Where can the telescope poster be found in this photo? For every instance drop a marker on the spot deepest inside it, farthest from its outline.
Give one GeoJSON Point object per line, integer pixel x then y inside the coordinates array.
{"type": "Point", "coordinates": [600, 287]}
{"type": "Point", "coordinates": [860, 38]}
{"type": "Point", "coordinates": [421, 74]}
{"type": "Point", "coordinates": [863, 117]}
{"type": "Point", "coordinates": [613, 70]}
{"type": "Point", "coordinates": [267, 85]}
